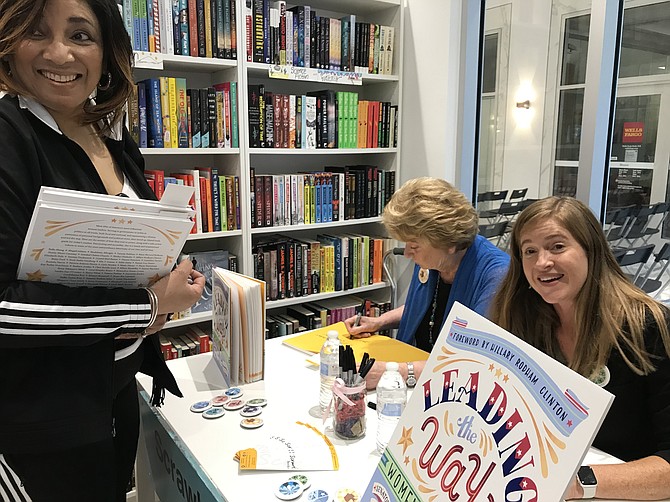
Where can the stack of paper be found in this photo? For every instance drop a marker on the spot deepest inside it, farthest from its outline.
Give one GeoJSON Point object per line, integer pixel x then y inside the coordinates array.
{"type": "Point", "coordinates": [87, 239]}
{"type": "Point", "coordinates": [238, 326]}
{"type": "Point", "coordinates": [296, 447]}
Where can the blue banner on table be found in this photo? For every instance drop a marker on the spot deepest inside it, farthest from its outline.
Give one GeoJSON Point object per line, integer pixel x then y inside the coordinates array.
{"type": "Point", "coordinates": [175, 473]}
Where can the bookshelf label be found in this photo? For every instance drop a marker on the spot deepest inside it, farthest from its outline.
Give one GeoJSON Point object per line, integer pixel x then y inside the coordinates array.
{"type": "Point", "coordinates": [148, 60]}
{"type": "Point", "coordinates": [315, 75]}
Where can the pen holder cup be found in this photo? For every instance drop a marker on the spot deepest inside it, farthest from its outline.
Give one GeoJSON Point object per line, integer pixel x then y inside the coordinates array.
{"type": "Point", "coordinates": [349, 417]}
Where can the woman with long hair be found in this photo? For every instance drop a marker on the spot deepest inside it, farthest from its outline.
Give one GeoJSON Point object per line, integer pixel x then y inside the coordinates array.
{"type": "Point", "coordinates": [566, 295]}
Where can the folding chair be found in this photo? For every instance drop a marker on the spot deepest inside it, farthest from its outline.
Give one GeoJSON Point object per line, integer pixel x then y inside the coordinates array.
{"type": "Point", "coordinates": [508, 211]}
{"type": "Point", "coordinates": [617, 222]}
{"type": "Point", "coordinates": [662, 259]}
{"type": "Point", "coordinates": [634, 256]}
{"type": "Point", "coordinates": [494, 197]}
{"type": "Point", "coordinates": [659, 213]}
{"type": "Point", "coordinates": [638, 224]}
{"type": "Point", "coordinates": [517, 195]}
{"type": "Point", "coordinates": [493, 231]}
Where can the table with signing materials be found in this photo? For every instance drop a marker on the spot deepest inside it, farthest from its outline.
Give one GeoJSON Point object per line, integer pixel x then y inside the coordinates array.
{"type": "Point", "coordinates": [183, 456]}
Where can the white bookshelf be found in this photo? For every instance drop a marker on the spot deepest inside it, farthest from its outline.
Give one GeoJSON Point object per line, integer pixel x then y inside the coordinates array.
{"type": "Point", "coordinates": [203, 72]}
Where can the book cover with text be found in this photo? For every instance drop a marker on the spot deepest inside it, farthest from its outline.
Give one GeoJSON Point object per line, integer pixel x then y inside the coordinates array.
{"type": "Point", "coordinates": [491, 418]}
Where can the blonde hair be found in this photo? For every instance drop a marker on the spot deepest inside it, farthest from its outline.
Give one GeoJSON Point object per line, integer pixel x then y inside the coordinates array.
{"type": "Point", "coordinates": [18, 19]}
{"type": "Point", "coordinates": [610, 310]}
{"type": "Point", "coordinates": [431, 209]}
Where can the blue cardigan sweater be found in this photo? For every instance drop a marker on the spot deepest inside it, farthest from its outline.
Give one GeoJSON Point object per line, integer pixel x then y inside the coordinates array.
{"type": "Point", "coordinates": [475, 285]}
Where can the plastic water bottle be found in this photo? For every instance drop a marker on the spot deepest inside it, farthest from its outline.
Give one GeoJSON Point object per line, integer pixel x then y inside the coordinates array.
{"type": "Point", "coordinates": [329, 367]}
{"type": "Point", "coordinates": [391, 401]}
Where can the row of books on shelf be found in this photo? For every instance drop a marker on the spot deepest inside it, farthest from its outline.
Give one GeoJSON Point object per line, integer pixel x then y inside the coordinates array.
{"type": "Point", "coordinates": [199, 28]}
{"type": "Point", "coordinates": [313, 315]}
{"type": "Point", "coordinates": [299, 36]}
{"type": "Point", "coordinates": [194, 340]}
{"type": "Point", "coordinates": [336, 194]}
{"type": "Point", "coordinates": [164, 113]}
{"type": "Point", "coordinates": [321, 119]}
{"type": "Point", "coordinates": [331, 262]}
{"type": "Point", "coordinates": [216, 200]}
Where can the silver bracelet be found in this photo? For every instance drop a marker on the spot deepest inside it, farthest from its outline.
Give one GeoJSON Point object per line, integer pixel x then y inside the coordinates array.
{"type": "Point", "coordinates": [153, 301]}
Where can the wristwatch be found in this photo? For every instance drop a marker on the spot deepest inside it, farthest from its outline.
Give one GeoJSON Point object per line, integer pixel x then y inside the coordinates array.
{"type": "Point", "coordinates": [587, 479]}
{"type": "Point", "coordinates": [411, 379]}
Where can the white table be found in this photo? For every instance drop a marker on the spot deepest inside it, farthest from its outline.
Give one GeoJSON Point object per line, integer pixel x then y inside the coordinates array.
{"type": "Point", "coordinates": [196, 455]}
{"type": "Point", "coordinates": [291, 387]}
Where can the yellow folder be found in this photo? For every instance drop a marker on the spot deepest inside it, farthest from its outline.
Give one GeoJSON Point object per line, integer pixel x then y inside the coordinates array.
{"type": "Point", "coordinates": [382, 348]}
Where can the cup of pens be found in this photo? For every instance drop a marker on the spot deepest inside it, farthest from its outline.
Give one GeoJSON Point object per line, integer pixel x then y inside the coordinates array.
{"type": "Point", "coordinates": [349, 405]}
{"type": "Point", "coordinates": [349, 394]}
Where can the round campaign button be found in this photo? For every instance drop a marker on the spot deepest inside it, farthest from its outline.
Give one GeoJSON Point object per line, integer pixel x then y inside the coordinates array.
{"type": "Point", "coordinates": [348, 495]}
{"type": "Point", "coordinates": [289, 490]}
{"type": "Point", "coordinates": [213, 413]}
{"type": "Point", "coordinates": [251, 411]}
{"type": "Point", "coordinates": [302, 479]}
{"type": "Point", "coordinates": [200, 406]}
{"type": "Point", "coordinates": [220, 400]}
{"type": "Point", "coordinates": [318, 495]}
{"type": "Point", "coordinates": [234, 392]}
{"type": "Point", "coordinates": [251, 423]}
{"type": "Point", "coordinates": [259, 401]}
{"type": "Point", "coordinates": [233, 404]}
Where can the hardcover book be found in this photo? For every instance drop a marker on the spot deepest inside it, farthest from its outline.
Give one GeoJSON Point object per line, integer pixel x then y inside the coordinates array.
{"type": "Point", "coordinates": [85, 239]}
{"type": "Point", "coordinates": [492, 418]}
{"type": "Point", "coordinates": [238, 326]}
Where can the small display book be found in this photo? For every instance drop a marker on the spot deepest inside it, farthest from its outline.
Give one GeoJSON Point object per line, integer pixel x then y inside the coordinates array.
{"type": "Point", "coordinates": [238, 326]}
{"type": "Point", "coordinates": [491, 418]}
{"type": "Point", "coordinates": [87, 239]}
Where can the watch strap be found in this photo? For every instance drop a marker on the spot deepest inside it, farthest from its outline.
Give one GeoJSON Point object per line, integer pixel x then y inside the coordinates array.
{"type": "Point", "coordinates": [411, 379]}
{"type": "Point", "coordinates": [587, 480]}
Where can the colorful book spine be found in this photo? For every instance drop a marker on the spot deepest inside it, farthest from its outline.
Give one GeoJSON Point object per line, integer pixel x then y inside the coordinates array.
{"type": "Point", "coordinates": [195, 117]}
{"type": "Point", "coordinates": [204, 119]}
{"type": "Point", "coordinates": [182, 114]}
{"type": "Point", "coordinates": [220, 31]}
{"type": "Point", "coordinates": [233, 29]}
{"type": "Point", "coordinates": [234, 126]}
{"type": "Point", "coordinates": [142, 107]}
{"type": "Point", "coordinates": [184, 32]}
{"type": "Point", "coordinates": [200, 6]}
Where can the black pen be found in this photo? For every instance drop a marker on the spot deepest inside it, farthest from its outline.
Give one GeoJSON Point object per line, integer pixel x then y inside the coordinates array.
{"type": "Point", "coordinates": [360, 313]}
{"type": "Point", "coordinates": [368, 367]}
{"type": "Point", "coordinates": [364, 361]}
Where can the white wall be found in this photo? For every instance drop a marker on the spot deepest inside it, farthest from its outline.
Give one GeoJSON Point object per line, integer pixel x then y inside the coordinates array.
{"type": "Point", "coordinates": [526, 79]}
{"type": "Point", "coordinates": [430, 99]}
{"type": "Point", "coordinates": [430, 89]}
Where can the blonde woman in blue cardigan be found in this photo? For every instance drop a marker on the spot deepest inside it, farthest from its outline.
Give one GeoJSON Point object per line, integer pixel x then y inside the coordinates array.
{"type": "Point", "coordinates": [439, 226]}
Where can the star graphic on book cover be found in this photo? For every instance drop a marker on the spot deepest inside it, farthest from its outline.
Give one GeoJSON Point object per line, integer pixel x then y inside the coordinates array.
{"type": "Point", "coordinates": [406, 439]}
{"type": "Point", "coordinates": [35, 276]}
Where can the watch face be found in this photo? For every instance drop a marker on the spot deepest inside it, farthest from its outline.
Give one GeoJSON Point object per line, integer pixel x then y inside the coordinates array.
{"type": "Point", "coordinates": [586, 476]}
{"type": "Point", "coordinates": [411, 381]}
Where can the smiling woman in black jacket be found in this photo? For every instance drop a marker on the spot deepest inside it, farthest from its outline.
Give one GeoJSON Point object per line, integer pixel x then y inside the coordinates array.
{"type": "Point", "coordinates": [68, 401]}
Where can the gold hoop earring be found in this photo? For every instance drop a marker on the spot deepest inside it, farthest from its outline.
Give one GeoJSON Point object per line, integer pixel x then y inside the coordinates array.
{"type": "Point", "coordinates": [104, 86]}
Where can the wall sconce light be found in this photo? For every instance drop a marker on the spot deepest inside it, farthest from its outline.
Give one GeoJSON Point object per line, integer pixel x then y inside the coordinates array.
{"type": "Point", "coordinates": [523, 104]}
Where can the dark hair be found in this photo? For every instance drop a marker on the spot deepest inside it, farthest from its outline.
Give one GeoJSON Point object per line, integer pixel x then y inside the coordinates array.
{"type": "Point", "coordinates": [18, 19]}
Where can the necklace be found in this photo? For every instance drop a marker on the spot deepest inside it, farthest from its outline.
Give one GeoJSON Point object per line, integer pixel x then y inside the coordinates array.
{"type": "Point", "coordinates": [431, 323]}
